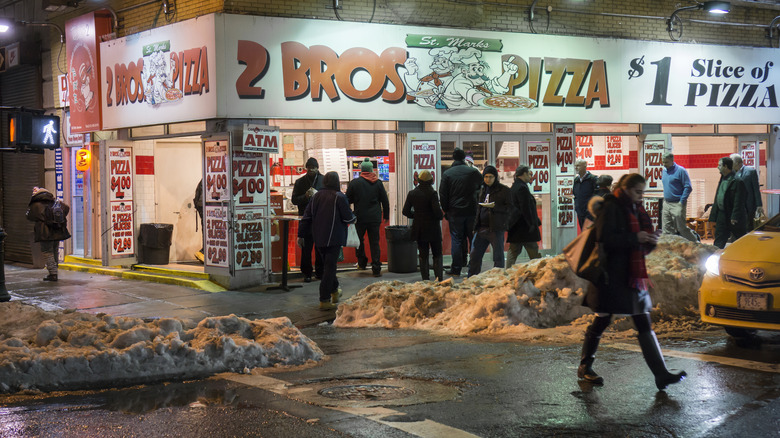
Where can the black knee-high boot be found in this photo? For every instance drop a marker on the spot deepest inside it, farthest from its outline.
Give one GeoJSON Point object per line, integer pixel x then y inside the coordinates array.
{"type": "Point", "coordinates": [655, 360]}
{"type": "Point", "coordinates": [589, 347]}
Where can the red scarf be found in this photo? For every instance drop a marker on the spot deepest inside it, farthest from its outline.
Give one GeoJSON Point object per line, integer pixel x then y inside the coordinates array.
{"type": "Point", "coordinates": [638, 220]}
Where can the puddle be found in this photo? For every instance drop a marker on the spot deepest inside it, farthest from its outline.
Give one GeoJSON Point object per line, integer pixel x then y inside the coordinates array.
{"type": "Point", "coordinates": [365, 393]}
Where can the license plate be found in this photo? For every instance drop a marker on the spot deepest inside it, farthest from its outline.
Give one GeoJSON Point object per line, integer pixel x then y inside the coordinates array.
{"type": "Point", "coordinates": [752, 301]}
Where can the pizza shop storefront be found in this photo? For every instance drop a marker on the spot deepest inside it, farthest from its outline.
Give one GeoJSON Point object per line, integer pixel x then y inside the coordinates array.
{"type": "Point", "coordinates": [405, 97]}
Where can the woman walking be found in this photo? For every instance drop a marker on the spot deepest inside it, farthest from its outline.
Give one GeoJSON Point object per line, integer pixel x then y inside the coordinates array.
{"type": "Point", "coordinates": [625, 233]}
{"type": "Point", "coordinates": [422, 205]}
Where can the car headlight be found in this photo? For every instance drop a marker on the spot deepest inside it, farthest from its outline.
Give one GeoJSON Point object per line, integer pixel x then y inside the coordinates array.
{"type": "Point", "coordinates": [712, 264]}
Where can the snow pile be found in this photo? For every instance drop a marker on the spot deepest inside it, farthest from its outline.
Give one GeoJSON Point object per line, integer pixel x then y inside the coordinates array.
{"type": "Point", "coordinates": [540, 294]}
{"type": "Point", "coordinates": [67, 350]}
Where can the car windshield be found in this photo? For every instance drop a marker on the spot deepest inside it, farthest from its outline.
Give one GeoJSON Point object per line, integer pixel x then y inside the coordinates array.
{"type": "Point", "coordinates": [771, 225]}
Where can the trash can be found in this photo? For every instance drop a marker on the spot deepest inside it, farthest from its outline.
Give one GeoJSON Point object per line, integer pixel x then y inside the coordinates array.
{"type": "Point", "coordinates": [154, 244]}
{"type": "Point", "coordinates": [401, 249]}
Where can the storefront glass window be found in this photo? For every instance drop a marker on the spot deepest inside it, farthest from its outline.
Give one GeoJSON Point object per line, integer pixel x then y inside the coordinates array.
{"type": "Point", "coordinates": [688, 129]}
{"type": "Point", "coordinates": [520, 127]}
{"type": "Point", "coordinates": [456, 126]}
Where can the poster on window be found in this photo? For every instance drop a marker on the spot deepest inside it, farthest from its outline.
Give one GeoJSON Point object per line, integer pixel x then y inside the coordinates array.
{"type": "Point", "coordinates": [120, 174]}
{"type": "Point", "coordinates": [424, 158]}
{"type": "Point", "coordinates": [749, 152]}
{"type": "Point", "coordinates": [651, 207]}
{"type": "Point", "coordinates": [585, 150]}
{"type": "Point", "coordinates": [249, 179]}
{"type": "Point", "coordinates": [216, 189]}
{"type": "Point", "coordinates": [539, 162]}
{"type": "Point", "coordinates": [250, 238]}
{"type": "Point", "coordinates": [564, 150]}
{"type": "Point", "coordinates": [122, 229]}
{"type": "Point", "coordinates": [614, 157]}
{"type": "Point", "coordinates": [216, 230]}
{"type": "Point", "coordinates": [652, 165]}
{"type": "Point", "coordinates": [565, 204]}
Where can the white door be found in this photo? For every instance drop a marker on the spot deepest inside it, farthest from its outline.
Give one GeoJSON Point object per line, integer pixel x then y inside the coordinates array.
{"type": "Point", "coordinates": [178, 170]}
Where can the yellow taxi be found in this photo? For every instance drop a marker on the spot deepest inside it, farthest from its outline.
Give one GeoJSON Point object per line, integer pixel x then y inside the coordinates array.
{"type": "Point", "coordinates": [741, 288]}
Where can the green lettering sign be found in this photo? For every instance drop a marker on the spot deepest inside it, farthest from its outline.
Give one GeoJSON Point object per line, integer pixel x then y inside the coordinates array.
{"type": "Point", "coordinates": [432, 41]}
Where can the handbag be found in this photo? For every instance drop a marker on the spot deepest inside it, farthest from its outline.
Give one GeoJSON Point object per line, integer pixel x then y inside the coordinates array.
{"type": "Point", "coordinates": [585, 256]}
{"type": "Point", "coordinates": [352, 238]}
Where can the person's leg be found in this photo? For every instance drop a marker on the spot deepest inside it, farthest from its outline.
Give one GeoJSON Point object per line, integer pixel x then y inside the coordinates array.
{"type": "Point", "coordinates": [498, 249]}
{"type": "Point", "coordinates": [722, 232]}
{"type": "Point", "coordinates": [668, 225]}
{"type": "Point", "coordinates": [652, 353]}
{"type": "Point", "coordinates": [737, 230]}
{"type": "Point", "coordinates": [360, 252]}
{"type": "Point", "coordinates": [457, 242]}
{"type": "Point", "coordinates": [317, 264]}
{"type": "Point", "coordinates": [438, 262]}
{"type": "Point", "coordinates": [478, 248]}
{"type": "Point", "coordinates": [512, 253]}
{"type": "Point", "coordinates": [589, 347]}
{"type": "Point", "coordinates": [373, 242]}
{"type": "Point", "coordinates": [329, 283]}
{"type": "Point", "coordinates": [306, 268]}
{"type": "Point", "coordinates": [422, 252]}
{"type": "Point", "coordinates": [680, 224]}
{"type": "Point", "coordinates": [49, 250]}
{"type": "Point", "coordinates": [468, 231]}
{"type": "Point", "coordinates": [532, 248]}
{"type": "Point", "coordinates": [581, 221]}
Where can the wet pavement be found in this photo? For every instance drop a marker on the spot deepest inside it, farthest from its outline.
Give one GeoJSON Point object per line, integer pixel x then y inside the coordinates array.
{"type": "Point", "coordinates": [401, 383]}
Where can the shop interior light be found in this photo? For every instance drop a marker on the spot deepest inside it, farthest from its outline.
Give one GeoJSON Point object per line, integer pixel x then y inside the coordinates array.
{"type": "Point", "coordinates": [674, 24]}
{"type": "Point", "coordinates": [6, 24]}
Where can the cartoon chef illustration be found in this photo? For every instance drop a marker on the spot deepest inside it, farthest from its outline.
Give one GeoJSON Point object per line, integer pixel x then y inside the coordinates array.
{"type": "Point", "coordinates": [471, 84]}
{"type": "Point", "coordinates": [430, 87]}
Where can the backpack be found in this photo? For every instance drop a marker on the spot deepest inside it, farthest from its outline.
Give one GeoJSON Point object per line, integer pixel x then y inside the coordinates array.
{"type": "Point", "coordinates": [54, 214]}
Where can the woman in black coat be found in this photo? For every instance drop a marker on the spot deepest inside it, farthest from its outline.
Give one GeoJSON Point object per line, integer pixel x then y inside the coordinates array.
{"type": "Point", "coordinates": [490, 225]}
{"type": "Point", "coordinates": [422, 205]}
{"type": "Point", "coordinates": [46, 231]}
{"type": "Point", "coordinates": [524, 220]}
{"type": "Point", "coordinates": [625, 233]}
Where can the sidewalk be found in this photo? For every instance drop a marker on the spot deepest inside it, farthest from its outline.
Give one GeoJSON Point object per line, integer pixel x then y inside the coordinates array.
{"type": "Point", "coordinates": [96, 293]}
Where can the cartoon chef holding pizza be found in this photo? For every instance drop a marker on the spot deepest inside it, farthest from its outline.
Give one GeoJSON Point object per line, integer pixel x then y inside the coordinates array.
{"type": "Point", "coordinates": [429, 88]}
{"type": "Point", "coordinates": [471, 84]}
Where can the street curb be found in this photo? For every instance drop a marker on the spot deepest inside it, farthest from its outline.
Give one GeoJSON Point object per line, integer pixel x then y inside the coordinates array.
{"type": "Point", "coordinates": [154, 275]}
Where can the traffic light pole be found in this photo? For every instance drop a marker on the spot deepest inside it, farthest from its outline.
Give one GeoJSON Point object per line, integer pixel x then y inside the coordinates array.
{"type": "Point", "coordinates": [4, 296]}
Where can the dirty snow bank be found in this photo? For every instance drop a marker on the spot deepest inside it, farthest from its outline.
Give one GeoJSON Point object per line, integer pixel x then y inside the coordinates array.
{"type": "Point", "coordinates": [68, 350]}
{"type": "Point", "coordinates": [542, 293]}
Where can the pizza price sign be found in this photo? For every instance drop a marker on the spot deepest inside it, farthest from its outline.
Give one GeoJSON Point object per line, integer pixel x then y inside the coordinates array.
{"type": "Point", "coordinates": [539, 162]}
{"type": "Point", "coordinates": [216, 230]}
{"type": "Point", "coordinates": [651, 207]}
{"type": "Point", "coordinates": [120, 174]}
{"type": "Point", "coordinates": [216, 187]}
{"type": "Point", "coordinates": [585, 150]}
{"type": "Point", "coordinates": [748, 150]}
{"type": "Point", "coordinates": [249, 178]}
{"type": "Point", "coordinates": [250, 241]}
{"type": "Point", "coordinates": [424, 158]}
{"type": "Point", "coordinates": [564, 150]}
{"type": "Point", "coordinates": [614, 156]}
{"type": "Point", "coordinates": [653, 165]}
{"type": "Point", "coordinates": [565, 204]}
{"type": "Point", "coordinates": [122, 229]}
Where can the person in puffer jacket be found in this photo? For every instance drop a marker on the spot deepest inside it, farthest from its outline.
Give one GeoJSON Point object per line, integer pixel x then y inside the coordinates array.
{"type": "Point", "coordinates": [48, 233]}
{"type": "Point", "coordinates": [326, 218]}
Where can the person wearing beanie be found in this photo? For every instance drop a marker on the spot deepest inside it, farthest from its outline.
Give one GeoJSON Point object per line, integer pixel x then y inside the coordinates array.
{"type": "Point", "coordinates": [490, 224]}
{"type": "Point", "coordinates": [326, 219]}
{"type": "Point", "coordinates": [48, 230]}
{"type": "Point", "coordinates": [458, 191]}
{"type": "Point", "coordinates": [524, 222]}
{"type": "Point", "coordinates": [422, 206]}
{"type": "Point", "coordinates": [369, 197]}
{"type": "Point", "coordinates": [469, 161]}
{"type": "Point", "coordinates": [305, 187]}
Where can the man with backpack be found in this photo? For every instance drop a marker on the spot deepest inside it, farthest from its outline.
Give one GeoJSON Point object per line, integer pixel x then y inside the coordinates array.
{"type": "Point", "coordinates": [51, 226]}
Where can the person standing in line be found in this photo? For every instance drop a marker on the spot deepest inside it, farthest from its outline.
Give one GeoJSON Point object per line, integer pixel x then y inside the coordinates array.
{"type": "Point", "coordinates": [459, 187]}
{"type": "Point", "coordinates": [492, 214]}
{"type": "Point", "coordinates": [728, 210]}
{"type": "Point", "coordinates": [626, 233]}
{"type": "Point", "coordinates": [583, 189]}
{"type": "Point", "coordinates": [50, 227]}
{"type": "Point", "coordinates": [368, 194]}
{"type": "Point", "coordinates": [749, 177]}
{"type": "Point", "coordinates": [305, 187]}
{"type": "Point", "coordinates": [524, 222]}
{"type": "Point", "coordinates": [326, 219]}
{"type": "Point", "coordinates": [197, 201]}
{"type": "Point", "coordinates": [604, 184]}
{"type": "Point", "coordinates": [422, 205]}
{"type": "Point", "coordinates": [677, 189]}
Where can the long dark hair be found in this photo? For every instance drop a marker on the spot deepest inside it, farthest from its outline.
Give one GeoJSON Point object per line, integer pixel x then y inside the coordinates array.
{"type": "Point", "coordinates": [630, 180]}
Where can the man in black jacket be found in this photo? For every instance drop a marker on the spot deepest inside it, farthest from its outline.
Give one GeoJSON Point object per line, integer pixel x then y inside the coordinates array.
{"type": "Point", "coordinates": [728, 211]}
{"type": "Point", "coordinates": [305, 187]}
{"type": "Point", "coordinates": [524, 222]}
{"type": "Point", "coordinates": [458, 191]}
{"type": "Point", "coordinates": [368, 195]}
{"type": "Point", "coordinates": [585, 184]}
{"type": "Point", "coordinates": [492, 215]}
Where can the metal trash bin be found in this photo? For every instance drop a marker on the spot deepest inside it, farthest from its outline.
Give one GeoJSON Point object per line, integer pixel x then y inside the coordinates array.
{"type": "Point", "coordinates": [401, 249]}
{"type": "Point", "coordinates": [154, 244]}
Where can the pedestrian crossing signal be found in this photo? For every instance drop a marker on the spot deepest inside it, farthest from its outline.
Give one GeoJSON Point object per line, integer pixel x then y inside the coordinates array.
{"type": "Point", "coordinates": [34, 131]}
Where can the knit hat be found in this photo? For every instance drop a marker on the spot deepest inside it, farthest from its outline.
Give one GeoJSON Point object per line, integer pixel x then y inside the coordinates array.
{"type": "Point", "coordinates": [312, 163]}
{"type": "Point", "coordinates": [469, 159]}
{"type": "Point", "coordinates": [490, 170]}
{"type": "Point", "coordinates": [366, 165]}
{"type": "Point", "coordinates": [424, 176]}
{"type": "Point", "coordinates": [37, 190]}
{"type": "Point", "coordinates": [458, 154]}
